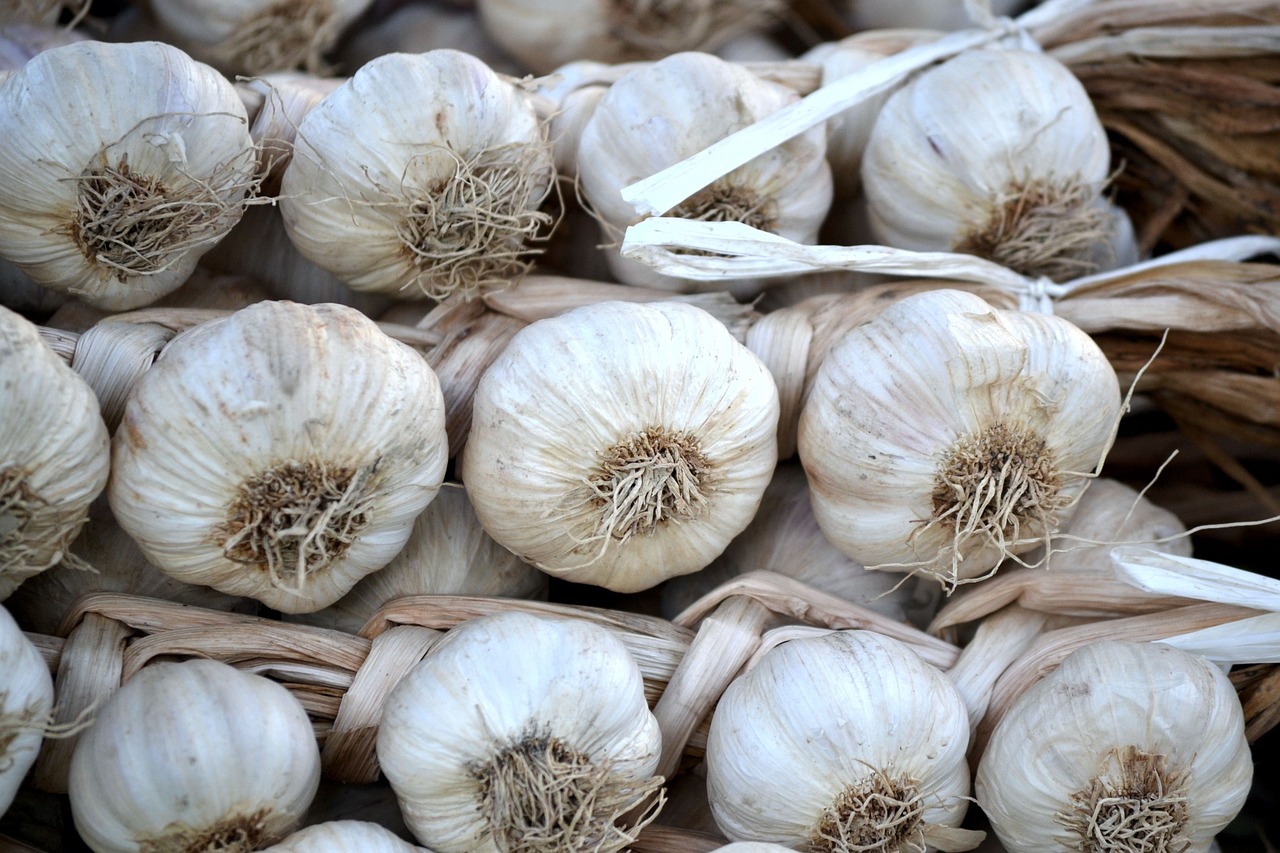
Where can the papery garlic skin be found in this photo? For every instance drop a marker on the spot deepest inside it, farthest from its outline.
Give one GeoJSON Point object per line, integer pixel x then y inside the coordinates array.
{"type": "Point", "coordinates": [516, 690]}
{"type": "Point", "coordinates": [344, 836]}
{"type": "Point", "coordinates": [997, 153]}
{"type": "Point", "coordinates": [661, 114]}
{"type": "Point", "coordinates": [620, 444]}
{"type": "Point", "coordinates": [56, 454]}
{"type": "Point", "coordinates": [165, 765]}
{"type": "Point", "coordinates": [1125, 747]}
{"type": "Point", "coordinates": [824, 726]}
{"type": "Point", "coordinates": [908, 412]}
{"type": "Point", "coordinates": [26, 703]}
{"type": "Point", "coordinates": [250, 37]}
{"type": "Point", "coordinates": [280, 453]}
{"type": "Point", "coordinates": [436, 197]}
{"type": "Point", "coordinates": [115, 205]}
{"type": "Point", "coordinates": [544, 34]}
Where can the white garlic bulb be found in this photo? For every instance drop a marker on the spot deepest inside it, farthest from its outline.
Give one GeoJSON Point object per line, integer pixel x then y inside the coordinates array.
{"type": "Point", "coordinates": [544, 34]}
{"type": "Point", "coordinates": [26, 702]}
{"type": "Point", "coordinates": [251, 37]}
{"type": "Point", "coordinates": [1125, 747]}
{"type": "Point", "coordinates": [620, 444]}
{"type": "Point", "coordinates": [997, 153]}
{"type": "Point", "coordinates": [448, 553]}
{"type": "Point", "coordinates": [280, 453]}
{"type": "Point", "coordinates": [194, 755]}
{"type": "Point", "coordinates": [344, 836]}
{"type": "Point", "coordinates": [437, 196]}
{"type": "Point", "coordinates": [845, 742]}
{"type": "Point", "coordinates": [118, 210]}
{"type": "Point", "coordinates": [55, 456]}
{"type": "Point", "coordinates": [659, 114]}
{"type": "Point", "coordinates": [945, 435]}
{"type": "Point", "coordinates": [521, 732]}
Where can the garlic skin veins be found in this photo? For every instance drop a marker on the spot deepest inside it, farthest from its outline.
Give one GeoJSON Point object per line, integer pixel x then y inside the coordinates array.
{"type": "Point", "coordinates": [56, 453]}
{"type": "Point", "coordinates": [997, 153]}
{"type": "Point", "coordinates": [843, 742]}
{"type": "Point", "coordinates": [620, 444]}
{"type": "Point", "coordinates": [437, 197]}
{"type": "Point", "coordinates": [279, 453]}
{"type": "Point", "coordinates": [117, 211]}
{"type": "Point", "coordinates": [511, 719]}
{"type": "Point", "coordinates": [163, 767]}
{"type": "Point", "coordinates": [662, 113]}
{"type": "Point", "coordinates": [946, 435]}
{"type": "Point", "coordinates": [1124, 747]}
{"type": "Point", "coordinates": [26, 703]}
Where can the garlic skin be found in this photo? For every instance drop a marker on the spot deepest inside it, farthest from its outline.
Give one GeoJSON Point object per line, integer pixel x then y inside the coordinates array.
{"type": "Point", "coordinates": [251, 37]}
{"type": "Point", "coordinates": [660, 114]}
{"type": "Point", "coordinates": [509, 720]}
{"type": "Point", "coordinates": [279, 453]}
{"type": "Point", "coordinates": [1126, 747]}
{"type": "Point", "coordinates": [544, 34]}
{"type": "Point", "coordinates": [117, 211]}
{"type": "Point", "coordinates": [804, 748]}
{"type": "Point", "coordinates": [344, 836]}
{"type": "Point", "coordinates": [26, 703]}
{"type": "Point", "coordinates": [448, 553]}
{"type": "Point", "coordinates": [436, 197]}
{"type": "Point", "coordinates": [997, 153]}
{"type": "Point", "coordinates": [908, 410]}
{"type": "Point", "coordinates": [620, 444]}
{"type": "Point", "coordinates": [56, 454]}
{"type": "Point", "coordinates": [163, 767]}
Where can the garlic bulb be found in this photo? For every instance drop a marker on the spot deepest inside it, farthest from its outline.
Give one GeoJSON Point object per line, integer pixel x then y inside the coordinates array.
{"type": "Point", "coordinates": [287, 97]}
{"type": "Point", "coordinates": [55, 459]}
{"type": "Point", "coordinates": [165, 764]}
{"type": "Point", "coordinates": [945, 435]}
{"type": "Point", "coordinates": [845, 742]}
{"type": "Point", "coordinates": [244, 463]}
{"type": "Point", "coordinates": [118, 212]}
{"type": "Point", "coordinates": [997, 153]}
{"type": "Point", "coordinates": [620, 444]}
{"type": "Point", "coordinates": [26, 702]}
{"type": "Point", "coordinates": [521, 733]}
{"type": "Point", "coordinates": [544, 34]}
{"type": "Point", "coordinates": [1125, 747]}
{"type": "Point", "coordinates": [250, 37]}
{"type": "Point", "coordinates": [784, 537]}
{"type": "Point", "coordinates": [659, 114]}
{"type": "Point", "coordinates": [436, 197]}
{"type": "Point", "coordinates": [344, 836]}
{"type": "Point", "coordinates": [448, 553]}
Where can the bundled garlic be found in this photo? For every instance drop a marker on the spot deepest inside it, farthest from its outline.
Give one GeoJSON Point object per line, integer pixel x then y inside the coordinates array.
{"type": "Point", "coordinates": [522, 733]}
{"type": "Point", "coordinates": [544, 34]}
{"type": "Point", "coordinates": [120, 165]}
{"type": "Point", "coordinates": [280, 453]}
{"type": "Point", "coordinates": [344, 836]}
{"type": "Point", "coordinates": [436, 197]}
{"type": "Point", "coordinates": [1125, 747]}
{"type": "Point", "coordinates": [620, 444]}
{"type": "Point", "coordinates": [250, 37]}
{"type": "Point", "coordinates": [945, 435]}
{"type": "Point", "coordinates": [55, 457]}
{"type": "Point", "coordinates": [658, 115]}
{"type": "Point", "coordinates": [448, 553]}
{"type": "Point", "coordinates": [997, 153]}
{"type": "Point", "coordinates": [26, 702]}
{"type": "Point", "coordinates": [845, 743]}
{"type": "Point", "coordinates": [194, 756]}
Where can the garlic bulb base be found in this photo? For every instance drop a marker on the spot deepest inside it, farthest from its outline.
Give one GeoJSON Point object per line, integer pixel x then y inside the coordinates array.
{"type": "Point", "coordinates": [234, 834]}
{"type": "Point", "coordinates": [879, 814]}
{"type": "Point", "coordinates": [540, 795]}
{"type": "Point", "coordinates": [287, 34]}
{"type": "Point", "coordinates": [1136, 802]}
{"type": "Point", "coordinates": [1043, 228]}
